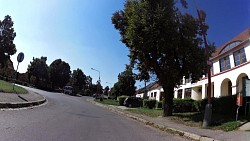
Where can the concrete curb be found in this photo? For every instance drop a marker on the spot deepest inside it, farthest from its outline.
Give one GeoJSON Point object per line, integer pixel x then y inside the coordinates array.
{"type": "Point", "coordinates": [21, 104]}
{"type": "Point", "coordinates": [158, 126]}
{"type": "Point", "coordinates": [13, 105]}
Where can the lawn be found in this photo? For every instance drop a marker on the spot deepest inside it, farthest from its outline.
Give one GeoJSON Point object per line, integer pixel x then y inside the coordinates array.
{"type": "Point", "coordinates": [8, 88]}
{"type": "Point", "coordinates": [147, 112]}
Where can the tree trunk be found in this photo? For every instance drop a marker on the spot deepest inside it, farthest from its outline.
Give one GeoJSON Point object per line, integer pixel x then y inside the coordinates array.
{"type": "Point", "coordinates": [168, 102]}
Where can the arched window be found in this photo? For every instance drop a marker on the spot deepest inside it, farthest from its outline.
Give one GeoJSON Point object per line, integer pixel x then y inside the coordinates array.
{"type": "Point", "coordinates": [230, 46]}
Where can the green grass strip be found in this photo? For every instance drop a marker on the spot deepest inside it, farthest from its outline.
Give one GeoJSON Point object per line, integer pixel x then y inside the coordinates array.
{"type": "Point", "coordinates": [7, 87]}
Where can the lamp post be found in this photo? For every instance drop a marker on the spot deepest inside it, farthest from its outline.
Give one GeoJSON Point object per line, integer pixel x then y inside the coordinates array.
{"type": "Point", "coordinates": [98, 83]}
{"type": "Point", "coordinates": [208, 110]}
{"type": "Point", "coordinates": [109, 93]}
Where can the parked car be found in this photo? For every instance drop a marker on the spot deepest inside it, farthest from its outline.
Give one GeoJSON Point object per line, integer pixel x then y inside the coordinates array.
{"type": "Point", "coordinates": [68, 90]}
{"type": "Point", "coordinates": [133, 102]}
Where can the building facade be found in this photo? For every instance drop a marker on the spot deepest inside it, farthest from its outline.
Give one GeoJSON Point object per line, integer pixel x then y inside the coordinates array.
{"type": "Point", "coordinates": [230, 70]}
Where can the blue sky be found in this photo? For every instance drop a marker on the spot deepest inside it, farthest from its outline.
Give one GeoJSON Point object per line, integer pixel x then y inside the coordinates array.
{"type": "Point", "coordinates": [80, 32]}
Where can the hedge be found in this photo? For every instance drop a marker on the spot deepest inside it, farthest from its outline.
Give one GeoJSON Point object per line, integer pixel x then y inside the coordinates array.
{"type": "Point", "coordinates": [159, 105]}
{"type": "Point", "coordinates": [222, 105]}
{"type": "Point", "coordinates": [149, 103]}
{"type": "Point", "coordinates": [121, 99]}
{"type": "Point", "coordinates": [184, 105]}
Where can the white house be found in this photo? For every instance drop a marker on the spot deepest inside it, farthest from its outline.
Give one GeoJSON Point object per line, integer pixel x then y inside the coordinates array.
{"type": "Point", "coordinates": [230, 70]}
{"type": "Point", "coordinates": [152, 91]}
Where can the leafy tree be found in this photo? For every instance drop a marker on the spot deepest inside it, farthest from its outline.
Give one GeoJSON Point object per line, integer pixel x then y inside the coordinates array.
{"type": "Point", "coordinates": [38, 69]}
{"type": "Point", "coordinates": [125, 84]}
{"type": "Point", "coordinates": [78, 80]}
{"type": "Point", "coordinates": [93, 88]}
{"type": "Point", "coordinates": [88, 82]}
{"type": "Point", "coordinates": [7, 35]}
{"type": "Point", "coordinates": [59, 72]}
{"type": "Point", "coordinates": [162, 41]}
{"type": "Point", "coordinates": [106, 90]}
{"type": "Point", "coordinates": [116, 91]}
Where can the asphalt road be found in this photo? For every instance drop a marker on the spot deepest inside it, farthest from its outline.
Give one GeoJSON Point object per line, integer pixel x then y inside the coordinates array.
{"type": "Point", "coordinates": [69, 118]}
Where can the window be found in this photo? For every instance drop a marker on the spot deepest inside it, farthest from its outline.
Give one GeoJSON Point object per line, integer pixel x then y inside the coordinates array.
{"type": "Point", "coordinates": [230, 46]}
{"type": "Point", "coordinates": [154, 94]}
{"type": "Point", "coordinates": [225, 64]}
{"type": "Point", "coordinates": [187, 93]}
{"type": "Point", "coordinates": [212, 69]}
{"type": "Point", "coordinates": [151, 94]}
{"type": "Point", "coordinates": [239, 57]}
{"type": "Point", "coordinates": [179, 93]}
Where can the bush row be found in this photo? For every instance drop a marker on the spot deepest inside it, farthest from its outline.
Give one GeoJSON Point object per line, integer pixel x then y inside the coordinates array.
{"type": "Point", "coordinates": [223, 105]}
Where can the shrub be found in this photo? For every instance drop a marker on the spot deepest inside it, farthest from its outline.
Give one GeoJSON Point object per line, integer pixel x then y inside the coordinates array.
{"type": "Point", "coordinates": [223, 105]}
{"type": "Point", "coordinates": [149, 103]}
{"type": "Point", "coordinates": [197, 105]}
{"type": "Point", "coordinates": [159, 104]}
{"type": "Point", "coordinates": [121, 99]}
{"type": "Point", "coordinates": [183, 105]}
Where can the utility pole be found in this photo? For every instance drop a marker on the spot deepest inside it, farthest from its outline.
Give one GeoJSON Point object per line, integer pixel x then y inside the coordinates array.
{"type": "Point", "coordinates": [208, 110]}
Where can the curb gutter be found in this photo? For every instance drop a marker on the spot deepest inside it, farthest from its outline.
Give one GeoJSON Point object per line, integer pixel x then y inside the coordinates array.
{"type": "Point", "coordinates": [158, 126]}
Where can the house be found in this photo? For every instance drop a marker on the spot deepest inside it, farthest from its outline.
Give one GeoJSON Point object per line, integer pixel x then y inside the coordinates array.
{"type": "Point", "coordinates": [230, 68]}
{"type": "Point", "coordinates": [153, 91]}
{"type": "Point", "coordinates": [230, 65]}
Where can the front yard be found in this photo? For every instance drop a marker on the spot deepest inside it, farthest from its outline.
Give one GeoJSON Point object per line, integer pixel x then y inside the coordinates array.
{"type": "Point", "coordinates": [220, 122]}
{"type": "Point", "coordinates": [195, 119]}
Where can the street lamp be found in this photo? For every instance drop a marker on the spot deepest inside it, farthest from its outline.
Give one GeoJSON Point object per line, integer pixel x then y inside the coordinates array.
{"type": "Point", "coordinates": [98, 72]}
{"type": "Point", "coordinates": [109, 88]}
{"type": "Point", "coordinates": [99, 83]}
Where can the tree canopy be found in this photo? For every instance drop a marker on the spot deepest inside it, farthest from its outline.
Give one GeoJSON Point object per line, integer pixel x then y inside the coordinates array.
{"type": "Point", "coordinates": [162, 41]}
{"type": "Point", "coordinates": [39, 69]}
{"type": "Point", "coordinates": [7, 36]}
{"type": "Point", "coordinates": [78, 80]}
{"type": "Point", "coordinates": [59, 72]}
{"type": "Point", "coordinates": [125, 84]}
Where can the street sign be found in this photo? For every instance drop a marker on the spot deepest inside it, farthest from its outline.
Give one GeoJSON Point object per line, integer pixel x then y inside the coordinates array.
{"type": "Point", "coordinates": [239, 99]}
{"type": "Point", "coordinates": [20, 57]}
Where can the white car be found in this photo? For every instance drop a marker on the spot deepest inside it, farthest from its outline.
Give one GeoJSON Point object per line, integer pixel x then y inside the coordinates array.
{"type": "Point", "coordinates": [68, 90]}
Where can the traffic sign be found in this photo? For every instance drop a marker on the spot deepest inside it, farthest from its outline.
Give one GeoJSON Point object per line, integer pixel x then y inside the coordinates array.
{"type": "Point", "coordinates": [20, 57]}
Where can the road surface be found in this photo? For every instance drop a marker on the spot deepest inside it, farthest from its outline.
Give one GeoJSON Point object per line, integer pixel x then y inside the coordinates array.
{"type": "Point", "coordinates": [70, 118]}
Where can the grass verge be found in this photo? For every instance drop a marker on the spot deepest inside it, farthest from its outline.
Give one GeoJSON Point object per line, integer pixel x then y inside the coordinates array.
{"type": "Point", "coordinates": [7, 87]}
{"type": "Point", "coordinates": [147, 112]}
{"type": "Point", "coordinates": [108, 102]}
{"type": "Point", "coordinates": [194, 119]}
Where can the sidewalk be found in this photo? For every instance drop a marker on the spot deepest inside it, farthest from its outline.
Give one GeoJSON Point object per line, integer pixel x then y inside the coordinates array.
{"type": "Point", "coordinates": [11, 100]}
{"type": "Point", "coordinates": [194, 133]}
